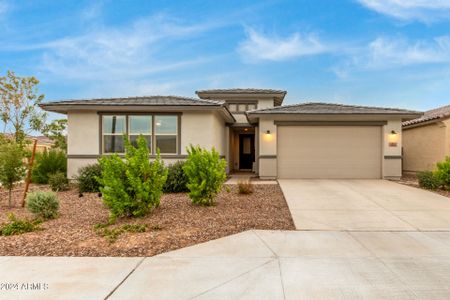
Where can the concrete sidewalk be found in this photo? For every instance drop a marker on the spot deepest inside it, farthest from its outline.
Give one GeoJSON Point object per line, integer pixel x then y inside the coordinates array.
{"type": "Point", "coordinates": [253, 265]}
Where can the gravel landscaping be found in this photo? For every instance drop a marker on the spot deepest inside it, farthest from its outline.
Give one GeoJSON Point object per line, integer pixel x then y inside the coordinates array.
{"type": "Point", "coordinates": [175, 224]}
{"type": "Point", "coordinates": [412, 181]}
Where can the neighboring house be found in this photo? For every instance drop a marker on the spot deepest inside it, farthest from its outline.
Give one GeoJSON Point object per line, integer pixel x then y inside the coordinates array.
{"type": "Point", "coordinates": [426, 140]}
{"type": "Point", "coordinates": [248, 127]}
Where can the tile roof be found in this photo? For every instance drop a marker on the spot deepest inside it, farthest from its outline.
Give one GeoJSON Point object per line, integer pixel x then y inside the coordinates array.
{"type": "Point", "coordinates": [138, 101]}
{"type": "Point", "coordinates": [434, 114]}
{"type": "Point", "coordinates": [242, 91]}
{"type": "Point", "coordinates": [330, 108]}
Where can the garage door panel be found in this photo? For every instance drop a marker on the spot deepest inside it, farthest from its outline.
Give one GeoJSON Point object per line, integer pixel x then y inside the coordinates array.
{"type": "Point", "coordinates": [329, 152]}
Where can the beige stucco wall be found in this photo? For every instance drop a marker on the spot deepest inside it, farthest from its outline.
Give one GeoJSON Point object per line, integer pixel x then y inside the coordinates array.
{"type": "Point", "coordinates": [83, 133]}
{"type": "Point", "coordinates": [392, 155]}
{"type": "Point", "coordinates": [267, 161]}
{"type": "Point", "coordinates": [206, 129]}
{"type": "Point", "coordinates": [424, 146]}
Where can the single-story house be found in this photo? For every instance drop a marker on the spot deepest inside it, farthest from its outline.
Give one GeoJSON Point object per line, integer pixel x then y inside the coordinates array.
{"type": "Point", "coordinates": [250, 128]}
{"type": "Point", "coordinates": [426, 140]}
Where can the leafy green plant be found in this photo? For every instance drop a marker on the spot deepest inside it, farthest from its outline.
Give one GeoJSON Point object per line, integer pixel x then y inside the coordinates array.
{"type": "Point", "coordinates": [58, 182]}
{"type": "Point", "coordinates": [176, 179]}
{"type": "Point", "coordinates": [132, 186]}
{"type": "Point", "coordinates": [245, 187]}
{"type": "Point", "coordinates": [443, 172]}
{"type": "Point", "coordinates": [429, 180]}
{"type": "Point", "coordinates": [17, 226]}
{"type": "Point", "coordinates": [113, 234]}
{"type": "Point", "coordinates": [206, 174]}
{"type": "Point", "coordinates": [87, 178]}
{"type": "Point", "coordinates": [43, 204]}
{"type": "Point", "coordinates": [12, 168]}
{"type": "Point", "coordinates": [47, 163]}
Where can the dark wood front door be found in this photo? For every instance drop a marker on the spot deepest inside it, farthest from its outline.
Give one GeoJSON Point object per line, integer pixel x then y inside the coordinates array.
{"type": "Point", "coordinates": [246, 151]}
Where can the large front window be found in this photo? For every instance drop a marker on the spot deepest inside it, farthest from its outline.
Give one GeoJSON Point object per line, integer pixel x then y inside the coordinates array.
{"type": "Point", "coordinates": [160, 131]}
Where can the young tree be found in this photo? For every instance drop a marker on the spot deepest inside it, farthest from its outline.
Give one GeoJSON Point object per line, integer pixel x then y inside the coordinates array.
{"type": "Point", "coordinates": [12, 167]}
{"type": "Point", "coordinates": [19, 102]}
{"type": "Point", "coordinates": [56, 131]}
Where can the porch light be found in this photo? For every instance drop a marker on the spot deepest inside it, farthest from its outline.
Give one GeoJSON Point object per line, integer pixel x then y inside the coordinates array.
{"type": "Point", "coordinates": [268, 132]}
{"type": "Point", "coordinates": [393, 138]}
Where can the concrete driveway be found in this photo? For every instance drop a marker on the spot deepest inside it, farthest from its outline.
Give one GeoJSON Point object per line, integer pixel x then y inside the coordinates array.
{"type": "Point", "coordinates": [374, 205]}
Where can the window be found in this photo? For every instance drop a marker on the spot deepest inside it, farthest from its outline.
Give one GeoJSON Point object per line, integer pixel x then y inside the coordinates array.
{"type": "Point", "coordinates": [140, 125]}
{"type": "Point", "coordinates": [160, 131]}
{"type": "Point", "coordinates": [166, 133]}
{"type": "Point", "coordinates": [251, 106]}
{"type": "Point", "coordinates": [113, 129]}
{"type": "Point", "coordinates": [241, 107]}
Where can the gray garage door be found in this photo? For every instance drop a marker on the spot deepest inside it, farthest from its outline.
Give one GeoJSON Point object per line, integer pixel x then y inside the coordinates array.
{"type": "Point", "coordinates": [329, 152]}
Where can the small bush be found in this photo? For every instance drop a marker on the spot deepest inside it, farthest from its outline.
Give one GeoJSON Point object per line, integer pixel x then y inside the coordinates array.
{"type": "Point", "coordinates": [12, 168]}
{"type": "Point", "coordinates": [245, 187]}
{"type": "Point", "coordinates": [132, 186]}
{"type": "Point", "coordinates": [176, 179]}
{"type": "Point", "coordinates": [429, 180]}
{"type": "Point", "coordinates": [443, 172]}
{"type": "Point", "coordinates": [206, 174]}
{"type": "Point", "coordinates": [58, 182]}
{"type": "Point", "coordinates": [43, 204]}
{"type": "Point", "coordinates": [17, 226]}
{"type": "Point", "coordinates": [87, 178]}
{"type": "Point", "coordinates": [47, 163]}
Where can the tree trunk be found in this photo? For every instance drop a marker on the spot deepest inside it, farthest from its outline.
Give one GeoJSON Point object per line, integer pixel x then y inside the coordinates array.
{"type": "Point", "coordinates": [9, 197]}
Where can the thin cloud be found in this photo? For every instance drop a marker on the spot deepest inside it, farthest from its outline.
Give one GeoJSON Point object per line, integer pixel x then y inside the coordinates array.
{"type": "Point", "coordinates": [260, 47]}
{"type": "Point", "coordinates": [389, 53]}
{"type": "Point", "coordinates": [421, 10]}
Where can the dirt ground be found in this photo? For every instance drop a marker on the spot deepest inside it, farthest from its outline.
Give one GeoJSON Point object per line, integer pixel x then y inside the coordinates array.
{"type": "Point", "coordinates": [175, 224]}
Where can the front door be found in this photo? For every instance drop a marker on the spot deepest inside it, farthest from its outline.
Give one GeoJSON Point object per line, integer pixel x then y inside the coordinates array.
{"type": "Point", "coordinates": [246, 151]}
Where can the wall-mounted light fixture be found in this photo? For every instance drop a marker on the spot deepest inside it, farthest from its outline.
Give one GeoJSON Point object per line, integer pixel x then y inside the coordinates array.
{"type": "Point", "coordinates": [268, 132]}
{"type": "Point", "coordinates": [393, 138]}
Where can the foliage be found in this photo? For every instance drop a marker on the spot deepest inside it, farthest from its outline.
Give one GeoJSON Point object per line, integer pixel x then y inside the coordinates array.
{"type": "Point", "coordinates": [206, 174]}
{"type": "Point", "coordinates": [429, 180]}
{"type": "Point", "coordinates": [176, 179]}
{"type": "Point", "coordinates": [19, 105]}
{"type": "Point", "coordinates": [12, 167]}
{"type": "Point", "coordinates": [17, 226]}
{"type": "Point", "coordinates": [58, 182]}
{"type": "Point", "coordinates": [87, 178]}
{"type": "Point", "coordinates": [113, 234]}
{"type": "Point", "coordinates": [56, 132]}
{"type": "Point", "coordinates": [443, 172]}
{"type": "Point", "coordinates": [43, 204]}
{"type": "Point", "coordinates": [47, 163]}
{"type": "Point", "coordinates": [132, 186]}
{"type": "Point", "coordinates": [245, 187]}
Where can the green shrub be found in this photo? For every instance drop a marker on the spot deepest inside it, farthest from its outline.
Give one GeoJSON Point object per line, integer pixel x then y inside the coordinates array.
{"type": "Point", "coordinates": [176, 179]}
{"type": "Point", "coordinates": [443, 172]}
{"type": "Point", "coordinates": [58, 182]}
{"type": "Point", "coordinates": [17, 226]}
{"type": "Point", "coordinates": [47, 163]}
{"type": "Point", "coordinates": [12, 168]}
{"type": "Point", "coordinates": [206, 174]}
{"type": "Point", "coordinates": [132, 186]}
{"type": "Point", "coordinates": [87, 178]}
{"type": "Point", "coordinates": [429, 180]}
{"type": "Point", "coordinates": [245, 187]}
{"type": "Point", "coordinates": [43, 204]}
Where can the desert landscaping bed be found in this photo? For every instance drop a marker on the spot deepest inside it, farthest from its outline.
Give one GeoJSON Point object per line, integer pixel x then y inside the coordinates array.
{"type": "Point", "coordinates": [412, 181]}
{"type": "Point", "coordinates": [175, 224]}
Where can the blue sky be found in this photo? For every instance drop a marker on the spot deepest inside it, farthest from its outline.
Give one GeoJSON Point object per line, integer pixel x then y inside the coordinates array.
{"type": "Point", "coordinates": [392, 53]}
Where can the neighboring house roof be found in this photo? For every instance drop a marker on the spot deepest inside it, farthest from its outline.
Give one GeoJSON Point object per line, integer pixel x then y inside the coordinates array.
{"type": "Point", "coordinates": [431, 115]}
{"type": "Point", "coordinates": [331, 108]}
{"type": "Point", "coordinates": [278, 94]}
{"type": "Point", "coordinates": [151, 101]}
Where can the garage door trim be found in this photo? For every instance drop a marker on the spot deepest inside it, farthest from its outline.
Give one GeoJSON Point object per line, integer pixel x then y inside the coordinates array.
{"type": "Point", "coordinates": [330, 123]}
